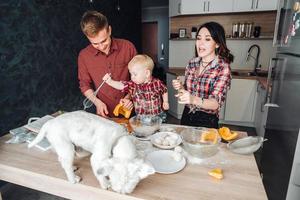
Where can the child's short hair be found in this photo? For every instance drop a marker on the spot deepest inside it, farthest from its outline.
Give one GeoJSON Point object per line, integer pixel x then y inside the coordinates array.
{"type": "Point", "coordinates": [143, 60]}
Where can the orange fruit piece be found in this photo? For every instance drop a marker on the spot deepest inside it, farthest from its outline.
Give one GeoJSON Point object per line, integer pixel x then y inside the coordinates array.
{"type": "Point", "coordinates": [209, 136]}
{"type": "Point", "coordinates": [226, 134]}
{"type": "Point", "coordinates": [119, 109]}
{"type": "Point", "coordinates": [216, 173]}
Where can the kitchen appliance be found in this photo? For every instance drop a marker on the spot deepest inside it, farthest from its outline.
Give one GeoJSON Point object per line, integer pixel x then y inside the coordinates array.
{"type": "Point", "coordinates": [282, 100]}
{"type": "Point", "coordinates": [256, 32]}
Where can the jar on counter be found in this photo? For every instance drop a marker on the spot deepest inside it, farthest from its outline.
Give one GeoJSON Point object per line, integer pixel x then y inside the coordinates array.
{"type": "Point", "coordinates": [242, 32]}
{"type": "Point", "coordinates": [235, 30]}
{"type": "Point", "coordinates": [249, 27]}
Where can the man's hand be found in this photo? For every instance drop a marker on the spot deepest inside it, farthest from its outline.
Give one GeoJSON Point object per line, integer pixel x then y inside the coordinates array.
{"type": "Point", "coordinates": [101, 108]}
{"type": "Point", "coordinates": [127, 103]}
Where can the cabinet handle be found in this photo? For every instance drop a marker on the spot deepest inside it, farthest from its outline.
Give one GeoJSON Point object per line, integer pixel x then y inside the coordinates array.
{"type": "Point", "coordinates": [208, 6]}
{"type": "Point", "coordinates": [268, 101]}
{"type": "Point", "coordinates": [179, 8]}
{"type": "Point", "coordinates": [204, 6]}
{"type": "Point", "coordinates": [279, 18]}
{"type": "Point", "coordinates": [257, 4]}
{"type": "Point", "coordinates": [252, 4]}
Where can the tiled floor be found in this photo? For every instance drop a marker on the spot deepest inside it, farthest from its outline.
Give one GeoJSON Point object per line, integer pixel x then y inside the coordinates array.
{"type": "Point", "coordinates": [15, 192]}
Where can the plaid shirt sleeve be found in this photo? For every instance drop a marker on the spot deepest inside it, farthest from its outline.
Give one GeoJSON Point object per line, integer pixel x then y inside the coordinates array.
{"type": "Point", "coordinates": [161, 86]}
{"type": "Point", "coordinates": [222, 83]}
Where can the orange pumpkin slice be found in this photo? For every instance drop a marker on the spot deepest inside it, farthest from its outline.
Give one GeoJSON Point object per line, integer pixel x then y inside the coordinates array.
{"type": "Point", "coordinates": [216, 173]}
{"type": "Point", "coordinates": [226, 134]}
{"type": "Point", "coordinates": [209, 136]}
{"type": "Point", "coordinates": [119, 109]}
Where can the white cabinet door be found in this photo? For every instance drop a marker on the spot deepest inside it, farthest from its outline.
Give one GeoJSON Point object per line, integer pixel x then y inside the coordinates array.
{"type": "Point", "coordinates": [243, 5]}
{"type": "Point", "coordinates": [175, 109]}
{"type": "Point", "coordinates": [174, 7]}
{"type": "Point", "coordinates": [240, 101]}
{"type": "Point", "coordinates": [254, 5]}
{"type": "Point", "coordinates": [217, 6]}
{"type": "Point", "coordinates": [265, 5]}
{"type": "Point", "coordinates": [192, 7]}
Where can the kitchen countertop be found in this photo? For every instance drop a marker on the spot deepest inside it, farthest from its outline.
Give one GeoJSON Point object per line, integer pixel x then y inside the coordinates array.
{"type": "Point", "coordinates": [179, 71]}
{"type": "Point", "coordinates": [42, 171]}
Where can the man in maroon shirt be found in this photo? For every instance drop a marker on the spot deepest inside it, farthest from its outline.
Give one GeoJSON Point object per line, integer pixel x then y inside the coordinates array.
{"type": "Point", "coordinates": [104, 55]}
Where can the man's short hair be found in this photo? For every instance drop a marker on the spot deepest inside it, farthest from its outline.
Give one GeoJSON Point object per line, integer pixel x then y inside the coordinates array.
{"type": "Point", "coordinates": [143, 60]}
{"type": "Point", "coordinates": [92, 22]}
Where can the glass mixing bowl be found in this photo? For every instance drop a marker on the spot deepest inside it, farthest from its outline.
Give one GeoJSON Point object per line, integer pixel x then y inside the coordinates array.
{"type": "Point", "coordinates": [144, 126]}
{"type": "Point", "coordinates": [196, 147]}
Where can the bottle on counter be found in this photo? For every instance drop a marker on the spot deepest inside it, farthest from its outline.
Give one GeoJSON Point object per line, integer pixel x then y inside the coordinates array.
{"type": "Point", "coordinates": [235, 30]}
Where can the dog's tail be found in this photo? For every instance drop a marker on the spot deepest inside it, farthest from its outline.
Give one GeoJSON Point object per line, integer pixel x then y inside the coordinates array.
{"type": "Point", "coordinates": [39, 137]}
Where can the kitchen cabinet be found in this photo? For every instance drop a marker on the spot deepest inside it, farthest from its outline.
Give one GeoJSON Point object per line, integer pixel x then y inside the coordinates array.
{"type": "Point", "coordinates": [260, 111]}
{"type": "Point", "coordinates": [254, 5]}
{"type": "Point", "coordinates": [175, 109]}
{"type": "Point", "coordinates": [240, 101]}
{"type": "Point", "coordinates": [194, 7]}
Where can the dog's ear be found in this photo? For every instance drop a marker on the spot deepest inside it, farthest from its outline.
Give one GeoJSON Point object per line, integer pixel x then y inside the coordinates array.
{"type": "Point", "coordinates": [105, 168]}
{"type": "Point", "coordinates": [145, 170]}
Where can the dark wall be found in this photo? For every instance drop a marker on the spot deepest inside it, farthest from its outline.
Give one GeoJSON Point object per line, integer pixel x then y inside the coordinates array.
{"type": "Point", "coordinates": [39, 44]}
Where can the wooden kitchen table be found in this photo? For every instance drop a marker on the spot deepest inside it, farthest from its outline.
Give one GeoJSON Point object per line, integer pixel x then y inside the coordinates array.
{"type": "Point", "coordinates": [41, 171]}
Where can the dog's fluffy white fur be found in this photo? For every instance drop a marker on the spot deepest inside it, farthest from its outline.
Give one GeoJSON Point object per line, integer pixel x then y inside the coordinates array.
{"type": "Point", "coordinates": [114, 158]}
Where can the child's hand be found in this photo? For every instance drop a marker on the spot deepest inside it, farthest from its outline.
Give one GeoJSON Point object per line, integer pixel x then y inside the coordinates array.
{"type": "Point", "coordinates": [166, 105]}
{"type": "Point", "coordinates": [106, 77]}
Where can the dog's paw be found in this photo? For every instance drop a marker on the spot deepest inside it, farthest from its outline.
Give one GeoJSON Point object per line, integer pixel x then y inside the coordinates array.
{"type": "Point", "coordinates": [77, 179]}
{"type": "Point", "coordinates": [75, 168]}
{"type": "Point", "coordinates": [105, 184]}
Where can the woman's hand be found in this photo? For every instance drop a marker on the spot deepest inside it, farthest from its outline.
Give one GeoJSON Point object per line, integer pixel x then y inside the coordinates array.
{"type": "Point", "coordinates": [184, 97]}
{"type": "Point", "coordinates": [177, 85]}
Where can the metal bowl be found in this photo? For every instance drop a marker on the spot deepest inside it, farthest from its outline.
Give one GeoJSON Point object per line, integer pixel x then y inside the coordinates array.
{"type": "Point", "coordinates": [144, 126]}
{"type": "Point", "coordinates": [246, 145]}
{"type": "Point", "coordinates": [194, 146]}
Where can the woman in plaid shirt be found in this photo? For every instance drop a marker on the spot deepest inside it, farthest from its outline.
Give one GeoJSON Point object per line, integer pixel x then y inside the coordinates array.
{"type": "Point", "coordinates": [207, 78]}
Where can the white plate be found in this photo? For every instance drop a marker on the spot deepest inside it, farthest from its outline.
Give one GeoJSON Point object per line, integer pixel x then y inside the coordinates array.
{"type": "Point", "coordinates": [162, 135]}
{"type": "Point", "coordinates": [146, 138]}
{"type": "Point", "coordinates": [164, 163]}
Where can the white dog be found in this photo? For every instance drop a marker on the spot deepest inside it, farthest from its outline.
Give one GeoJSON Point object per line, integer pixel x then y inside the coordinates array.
{"type": "Point", "coordinates": [114, 158]}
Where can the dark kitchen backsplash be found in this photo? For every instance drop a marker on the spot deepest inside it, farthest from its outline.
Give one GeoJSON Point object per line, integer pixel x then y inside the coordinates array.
{"type": "Point", "coordinates": [39, 44]}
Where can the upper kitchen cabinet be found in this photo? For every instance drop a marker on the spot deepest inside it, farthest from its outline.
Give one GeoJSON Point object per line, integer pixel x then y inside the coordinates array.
{"type": "Point", "coordinates": [194, 7]}
{"type": "Point", "coordinates": [254, 5]}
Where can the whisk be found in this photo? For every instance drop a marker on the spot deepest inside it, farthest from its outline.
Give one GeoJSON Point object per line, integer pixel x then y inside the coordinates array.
{"type": "Point", "coordinates": [87, 103]}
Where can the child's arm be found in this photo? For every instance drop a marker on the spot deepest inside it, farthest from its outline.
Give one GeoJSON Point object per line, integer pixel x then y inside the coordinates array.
{"type": "Point", "coordinates": [165, 101]}
{"type": "Point", "coordinates": [115, 84]}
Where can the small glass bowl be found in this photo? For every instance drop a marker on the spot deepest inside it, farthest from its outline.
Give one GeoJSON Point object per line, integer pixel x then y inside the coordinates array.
{"type": "Point", "coordinates": [144, 126]}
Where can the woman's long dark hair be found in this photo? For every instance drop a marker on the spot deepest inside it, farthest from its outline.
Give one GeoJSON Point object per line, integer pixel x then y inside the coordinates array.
{"type": "Point", "coordinates": [217, 33]}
